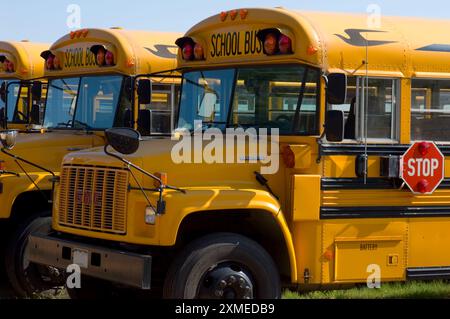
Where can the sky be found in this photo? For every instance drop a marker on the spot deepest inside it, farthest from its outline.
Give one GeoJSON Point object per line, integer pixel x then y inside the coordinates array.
{"type": "Point", "coordinates": [48, 20]}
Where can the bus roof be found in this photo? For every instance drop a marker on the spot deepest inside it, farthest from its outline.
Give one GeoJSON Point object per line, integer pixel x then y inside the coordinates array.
{"type": "Point", "coordinates": [134, 52]}
{"type": "Point", "coordinates": [335, 42]}
{"type": "Point", "coordinates": [27, 64]}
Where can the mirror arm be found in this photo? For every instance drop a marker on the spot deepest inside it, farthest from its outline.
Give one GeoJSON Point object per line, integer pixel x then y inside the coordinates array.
{"type": "Point", "coordinates": [18, 158]}
{"type": "Point", "coordinates": [128, 163]}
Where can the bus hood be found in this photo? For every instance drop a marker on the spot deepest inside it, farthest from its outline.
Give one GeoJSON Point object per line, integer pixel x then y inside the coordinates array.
{"type": "Point", "coordinates": [162, 156]}
{"type": "Point", "coordinates": [48, 149]}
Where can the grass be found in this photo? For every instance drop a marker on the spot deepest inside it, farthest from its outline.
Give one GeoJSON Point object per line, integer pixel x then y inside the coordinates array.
{"type": "Point", "coordinates": [410, 290]}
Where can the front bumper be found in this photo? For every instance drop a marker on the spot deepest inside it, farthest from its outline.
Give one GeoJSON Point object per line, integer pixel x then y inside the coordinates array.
{"type": "Point", "coordinates": [121, 267]}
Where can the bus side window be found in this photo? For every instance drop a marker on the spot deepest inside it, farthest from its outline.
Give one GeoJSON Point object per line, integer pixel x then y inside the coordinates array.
{"type": "Point", "coordinates": [380, 122]}
{"type": "Point", "coordinates": [430, 110]}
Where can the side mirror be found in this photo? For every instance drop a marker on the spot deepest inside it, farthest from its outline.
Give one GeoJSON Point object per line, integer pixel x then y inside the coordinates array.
{"type": "Point", "coordinates": [336, 88]}
{"type": "Point", "coordinates": [8, 139]}
{"type": "Point", "coordinates": [334, 126]}
{"type": "Point", "coordinates": [123, 140]}
{"type": "Point", "coordinates": [144, 91]}
{"type": "Point", "coordinates": [36, 90]}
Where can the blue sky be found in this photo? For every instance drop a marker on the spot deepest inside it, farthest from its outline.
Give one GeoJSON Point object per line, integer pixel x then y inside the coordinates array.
{"type": "Point", "coordinates": [46, 20]}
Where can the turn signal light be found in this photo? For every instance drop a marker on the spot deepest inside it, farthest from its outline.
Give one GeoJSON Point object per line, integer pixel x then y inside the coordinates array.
{"type": "Point", "coordinates": [288, 157]}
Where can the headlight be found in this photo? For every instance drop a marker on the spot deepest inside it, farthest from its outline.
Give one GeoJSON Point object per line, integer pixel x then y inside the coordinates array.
{"type": "Point", "coordinates": [150, 215]}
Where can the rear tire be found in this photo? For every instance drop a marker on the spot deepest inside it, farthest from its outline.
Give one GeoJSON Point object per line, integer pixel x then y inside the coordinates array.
{"type": "Point", "coordinates": [223, 266]}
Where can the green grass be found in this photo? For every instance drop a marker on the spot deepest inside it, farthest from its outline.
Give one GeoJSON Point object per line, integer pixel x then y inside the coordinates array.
{"type": "Point", "coordinates": [410, 290]}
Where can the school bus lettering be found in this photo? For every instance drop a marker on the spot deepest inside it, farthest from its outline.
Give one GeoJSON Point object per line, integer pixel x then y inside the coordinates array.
{"type": "Point", "coordinates": [79, 58]}
{"type": "Point", "coordinates": [235, 44]}
{"type": "Point", "coordinates": [368, 246]}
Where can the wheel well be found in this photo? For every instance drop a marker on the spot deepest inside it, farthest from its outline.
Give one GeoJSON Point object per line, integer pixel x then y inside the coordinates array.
{"type": "Point", "coordinates": [260, 226]}
{"type": "Point", "coordinates": [29, 203]}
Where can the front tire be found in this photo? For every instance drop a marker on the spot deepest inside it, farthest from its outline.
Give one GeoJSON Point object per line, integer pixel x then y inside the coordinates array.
{"type": "Point", "coordinates": [28, 278]}
{"type": "Point", "coordinates": [223, 266]}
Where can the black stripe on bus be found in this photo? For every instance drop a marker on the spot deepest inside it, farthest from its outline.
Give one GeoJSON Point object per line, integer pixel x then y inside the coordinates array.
{"type": "Point", "coordinates": [372, 149]}
{"type": "Point", "coordinates": [426, 273]}
{"type": "Point", "coordinates": [369, 184]}
{"type": "Point", "coordinates": [384, 212]}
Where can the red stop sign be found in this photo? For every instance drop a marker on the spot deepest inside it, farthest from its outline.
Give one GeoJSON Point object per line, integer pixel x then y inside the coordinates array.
{"type": "Point", "coordinates": [422, 167]}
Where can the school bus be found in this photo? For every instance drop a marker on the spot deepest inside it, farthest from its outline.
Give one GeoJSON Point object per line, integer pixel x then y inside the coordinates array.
{"type": "Point", "coordinates": [20, 62]}
{"type": "Point", "coordinates": [347, 99]}
{"type": "Point", "coordinates": [98, 79]}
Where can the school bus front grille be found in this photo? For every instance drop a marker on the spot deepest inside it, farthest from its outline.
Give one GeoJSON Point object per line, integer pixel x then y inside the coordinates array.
{"type": "Point", "coordinates": [93, 199]}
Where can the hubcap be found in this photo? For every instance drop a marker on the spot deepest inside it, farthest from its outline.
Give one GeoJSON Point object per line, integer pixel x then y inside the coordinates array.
{"type": "Point", "coordinates": [226, 281]}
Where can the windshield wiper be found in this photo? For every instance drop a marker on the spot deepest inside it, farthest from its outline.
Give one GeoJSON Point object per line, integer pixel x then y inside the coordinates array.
{"type": "Point", "coordinates": [207, 125]}
{"type": "Point", "coordinates": [84, 125]}
{"type": "Point", "coordinates": [71, 123]}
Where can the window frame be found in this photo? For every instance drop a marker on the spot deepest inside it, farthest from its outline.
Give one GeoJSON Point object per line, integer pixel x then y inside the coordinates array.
{"type": "Point", "coordinates": [236, 69]}
{"type": "Point", "coordinates": [80, 77]}
{"type": "Point", "coordinates": [410, 108]}
{"type": "Point", "coordinates": [360, 118]}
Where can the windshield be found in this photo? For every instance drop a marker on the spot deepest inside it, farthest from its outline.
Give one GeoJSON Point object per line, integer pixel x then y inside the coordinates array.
{"type": "Point", "coordinates": [83, 102]}
{"type": "Point", "coordinates": [283, 97]}
{"type": "Point", "coordinates": [14, 91]}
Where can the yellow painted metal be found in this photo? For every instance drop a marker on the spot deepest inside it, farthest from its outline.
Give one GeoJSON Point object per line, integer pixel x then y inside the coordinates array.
{"type": "Point", "coordinates": [306, 198]}
{"type": "Point", "coordinates": [320, 251]}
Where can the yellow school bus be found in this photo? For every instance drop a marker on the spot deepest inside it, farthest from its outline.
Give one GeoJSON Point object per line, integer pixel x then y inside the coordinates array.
{"type": "Point", "coordinates": [98, 79]}
{"type": "Point", "coordinates": [20, 62]}
{"type": "Point", "coordinates": [334, 212]}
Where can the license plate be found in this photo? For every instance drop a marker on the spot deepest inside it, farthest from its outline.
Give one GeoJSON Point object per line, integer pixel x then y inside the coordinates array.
{"type": "Point", "coordinates": [81, 258]}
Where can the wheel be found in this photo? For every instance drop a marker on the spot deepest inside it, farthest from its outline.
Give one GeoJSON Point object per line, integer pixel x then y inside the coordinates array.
{"type": "Point", "coordinates": [223, 266]}
{"type": "Point", "coordinates": [27, 278]}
